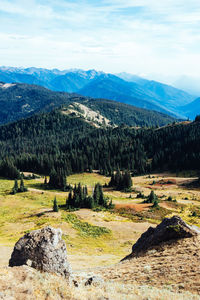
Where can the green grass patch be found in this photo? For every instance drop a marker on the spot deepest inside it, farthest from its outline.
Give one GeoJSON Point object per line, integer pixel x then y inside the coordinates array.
{"type": "Point", "coordinates": [89, 179]}
{"type": "Point", "coordinates": [85, 228]}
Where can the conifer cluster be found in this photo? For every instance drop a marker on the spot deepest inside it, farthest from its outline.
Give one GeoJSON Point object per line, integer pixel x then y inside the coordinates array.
{"type": "Point", "coordinates": [58, 179]}
{"type": "Point", "coordinates": [8, 170]}
{"type": "Point", "coordinates": [19, 189]}
{"type": "Point", "coordinates": [121, 180]}
{"type": "Point", "coordinates": [78, 198]}
{"type": "Point", "coordinates": [152, 198]}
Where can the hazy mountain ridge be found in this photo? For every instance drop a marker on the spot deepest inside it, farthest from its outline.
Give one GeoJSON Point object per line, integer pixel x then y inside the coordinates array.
{"type": "Point", "coordinates": [192, 109]}
{"type": "Point", "coordinates": [172, 96]}
{"type": "Point", "coordinates": [114, 88]}
{"type": "Point", "coordinates": [124, 87]}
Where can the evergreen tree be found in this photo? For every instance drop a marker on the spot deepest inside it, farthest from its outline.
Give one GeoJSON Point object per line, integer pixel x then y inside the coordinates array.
{"type": "Point", "coordinates": [112, 180]}
{"type": "Point", "coordinates": [121, 181]}
{"type": "Point", "coordinates": [78, 197]}
{"type": "Point", "coordinates": [57, 179]}
{"type": "Point", "coordinates": [127, 181]}
{"type": "Point", "coordinates": [8, 170]}
{"type": "Point", "coordinates": [45, 180]}
{"type": "Point", "coordinates": [15, 187]}
{"type": "Point", "coordinates": [102, 201]}
{"type": "Point", "coordinates": [22, 188]}
{"type": "Point", "coordinates": [55, 205]}
{"type": "Point", "coordinates": [152, 197]}
{"type": "Point", "coordinates": [155, 204]}
{"type": "Point", "coordinates": [118, 179]}
{"type": "Point", "coordinates": [96, 194]}
{"type": "Point", "coordinates": [69, 201]}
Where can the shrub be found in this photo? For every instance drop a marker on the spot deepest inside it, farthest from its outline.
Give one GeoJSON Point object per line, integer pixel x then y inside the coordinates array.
{"type": "Point", "coordinates": [169, 198]}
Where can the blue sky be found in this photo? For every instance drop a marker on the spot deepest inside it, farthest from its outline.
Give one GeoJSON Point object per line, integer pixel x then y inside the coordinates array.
{"type": "Point", "coordinates": [145, 37]}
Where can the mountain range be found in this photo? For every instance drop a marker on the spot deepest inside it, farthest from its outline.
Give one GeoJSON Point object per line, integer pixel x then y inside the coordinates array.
{"type": "Point", "coordinates": [123, 87]}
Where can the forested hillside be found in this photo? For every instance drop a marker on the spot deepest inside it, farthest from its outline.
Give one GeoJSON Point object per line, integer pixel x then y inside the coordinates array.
{"type": "Point", "coordinates": [121, 113]}
{"type": "Point", "coordinates": [19, 101]}
{"type": "Point", "coordinates": [54, 140]}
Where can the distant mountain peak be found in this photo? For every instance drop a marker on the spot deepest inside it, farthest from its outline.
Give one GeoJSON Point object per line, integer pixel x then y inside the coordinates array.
{"type": "Point", "coordinates": [123, 87]}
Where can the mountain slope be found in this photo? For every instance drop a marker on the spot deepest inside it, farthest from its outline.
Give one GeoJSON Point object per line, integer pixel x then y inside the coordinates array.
{"type": "Point", "coordinates": [114, 88]}
{"type": "Point", "coordinates": [22, 100]}
{"type": "Point", "coordinates": [124, 87]}
{"type": "Point", "coordinates": [20, 78]}
{"type": "Point", "coordinates": [121, 113]}
{"type": "Point", "coordinates": [161, 266]}
{"type": "Point", "coordinates": [19, 100]}
{"type": "Point", "coordinates": [192, 109]}
{"type": "Point", "coordinates": [73, 81]}
{"type": "Point", "coordinates": [163, 94]}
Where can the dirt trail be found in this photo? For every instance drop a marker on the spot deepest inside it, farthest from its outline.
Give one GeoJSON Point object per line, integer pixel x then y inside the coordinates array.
{"type": "Point", "coordinates": [47, 192]}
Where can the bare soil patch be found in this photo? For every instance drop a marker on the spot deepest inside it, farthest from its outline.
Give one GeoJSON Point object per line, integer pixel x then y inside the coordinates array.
{"type": "Point", "coordinates": [136, 207]}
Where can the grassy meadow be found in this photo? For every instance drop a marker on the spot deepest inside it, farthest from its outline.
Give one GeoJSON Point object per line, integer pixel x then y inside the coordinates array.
{"type": "Point", "coordinates": [107, 235]}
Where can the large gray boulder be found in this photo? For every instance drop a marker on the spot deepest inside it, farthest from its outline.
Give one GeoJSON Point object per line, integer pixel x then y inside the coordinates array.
{"type": "Point", "coordinates": [43, 250]}
{"type": "Point", "coordinates": [169, 229]}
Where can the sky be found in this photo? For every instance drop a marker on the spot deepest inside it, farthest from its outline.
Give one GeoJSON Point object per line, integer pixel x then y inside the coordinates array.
{"type": "Point", "coordinates": [150, 38]}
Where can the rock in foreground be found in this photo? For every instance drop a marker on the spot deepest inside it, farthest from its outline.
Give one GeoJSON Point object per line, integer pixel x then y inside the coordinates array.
{"type": "Point", "coordinates": [43, 250]}
{"type": "Point", "coordinates": [169, 229]}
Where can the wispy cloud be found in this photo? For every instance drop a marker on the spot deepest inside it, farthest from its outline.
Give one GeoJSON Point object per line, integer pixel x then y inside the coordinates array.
{"type": "Point", "coordinates": [114, 35]}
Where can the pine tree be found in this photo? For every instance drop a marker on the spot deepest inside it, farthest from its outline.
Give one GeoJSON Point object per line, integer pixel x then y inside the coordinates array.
{"type": "Point", "coordinates": [102, 201]}
{"type": "Point", "coordinates": [155, 204]}
{"type": "Point", "coordinates": [152, 197]}
{"type": "Point", "coordinates": [69, 201]}
{"type": "Point", "coordinates": [22, 188]}
{"type": "Point", "coordinates": [118, 179]}
{"type": "Point", "coordinates": [96, 194]}
{"type": "Point", "coordinates": [127, 181]}
{"type": "Point", "coordinates": [112, 180]}
{"type": "Point", "coordinates": [15, 187]}
{"type": "Point", "coordinates": [55, 205]}
{"type": "Point", "coordinates": [45, 180]}
{"type": "Point", "coordinates": [57, 179]}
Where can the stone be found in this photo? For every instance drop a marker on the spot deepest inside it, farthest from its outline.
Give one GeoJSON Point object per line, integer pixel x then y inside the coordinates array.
{"type": "Point", "coordinates": [169, 229]}
{"type": "Point", "coordinates": [43, 250]}
{"type": "Point", "coordinates": [95, 281]}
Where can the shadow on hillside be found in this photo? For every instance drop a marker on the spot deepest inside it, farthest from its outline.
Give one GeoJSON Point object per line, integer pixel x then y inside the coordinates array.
{"type": "Point", "coordinates": [42, 187]}
{"type": "Point", "coordinates": [192, 184]}
{"type": "Point", "coordinates": [40, 214]}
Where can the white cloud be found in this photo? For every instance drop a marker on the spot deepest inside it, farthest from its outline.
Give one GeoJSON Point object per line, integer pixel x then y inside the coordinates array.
{"type": "Point", "coordinates": [113, 35]}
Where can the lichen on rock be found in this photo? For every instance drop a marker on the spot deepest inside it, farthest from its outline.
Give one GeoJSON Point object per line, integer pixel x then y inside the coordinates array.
{"type": "Point", "coordinates": [43, 250]}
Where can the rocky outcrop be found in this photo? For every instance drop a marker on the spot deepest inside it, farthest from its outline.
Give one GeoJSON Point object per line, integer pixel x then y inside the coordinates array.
{"type": "Point", "coordinates": [169, 229]}
{"type": "Point", "coordinates": [43, 250]}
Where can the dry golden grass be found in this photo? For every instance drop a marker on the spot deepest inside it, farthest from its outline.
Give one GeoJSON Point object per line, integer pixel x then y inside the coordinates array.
{"type": "Point", "coordinates": [24, 283]}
